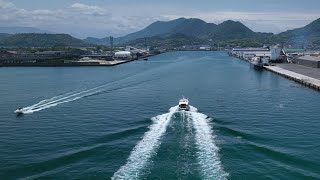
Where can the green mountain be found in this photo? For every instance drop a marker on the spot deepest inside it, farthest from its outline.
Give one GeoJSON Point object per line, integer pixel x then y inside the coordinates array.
{"type": "Point", "coordinates": [154, 29]}
{"type": "Point", "coordinates": [230, 30]}
{"type": "Point", "coordinates": [177, 33]}
{"type": "Point", "coordinates": [40, 40]}
{"type": "Point", "coordinates": [232, 33]}
{"type": "Point", "coordinates": [196, 30]}
{"type": "Point", "coordinates": [189, 27]}
{"type": "Point", "coordinates": [310, 34]}
{"type": "Point", "coordinates": [167, 41]}
{"type": "Point", "coordinates": [193, 31]}
{"type": "Point", "coordinates": [4, 35]}
{"type": "Point", "coordinates": [97, 41]}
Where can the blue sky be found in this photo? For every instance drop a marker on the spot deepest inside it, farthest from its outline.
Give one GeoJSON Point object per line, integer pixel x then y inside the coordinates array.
{"type": "Point", "coordinates": [101, 18]}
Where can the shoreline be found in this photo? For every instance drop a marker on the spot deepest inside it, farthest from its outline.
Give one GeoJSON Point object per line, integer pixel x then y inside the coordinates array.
{"type": "Point", "coordinates": [302, 79]}
{"type": "Point", "coordinates": [294, 75]}
{"type": "Point", "coordinates": [75, 63]}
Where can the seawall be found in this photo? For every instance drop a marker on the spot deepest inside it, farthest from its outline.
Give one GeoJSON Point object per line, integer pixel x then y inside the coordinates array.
{"type": "Point", "coordinates": [302, 79]}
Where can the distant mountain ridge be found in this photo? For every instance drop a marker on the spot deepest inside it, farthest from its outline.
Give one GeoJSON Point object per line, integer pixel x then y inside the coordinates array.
{"type": "Point", "coordinates": [18, 30]}
{"type": "Point", "coordinates": [4, 35]}
{"type": "Point", "coordinates": [192, 27]}
{"type": "Point", "coordinates": [199, 31]}
{"type": "Point", "coordinates": [40, 40]}
{"type": "Point", "coordinates": [154, 29]}
{"type": "Point", "coordinates": [304, 35]}
{"type": "Point", "coordinates": [176, 33]}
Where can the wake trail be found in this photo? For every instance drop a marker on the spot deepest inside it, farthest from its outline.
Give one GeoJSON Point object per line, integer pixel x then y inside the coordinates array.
{"type": "Point", "coordinates": [207, 155]}
{"type": "Point", "coordinates": [72, 96]}
{"type": "Point", "coordinates": [46, 106]}
{"type": "Point", "coordinates": [53, 100]}
{"type": "Point", "coordinates": [68, 95]}
{"type": "Point", "coordinates": [146, 148]}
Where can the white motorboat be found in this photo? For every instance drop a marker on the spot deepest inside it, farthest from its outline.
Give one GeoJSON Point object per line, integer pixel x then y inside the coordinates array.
{"type": "Point", "coordinates": [257, 63]}
{"type": "Point", "coordinates": [184, 104]}
{"type": "Point", "coordinates": [19, 111]}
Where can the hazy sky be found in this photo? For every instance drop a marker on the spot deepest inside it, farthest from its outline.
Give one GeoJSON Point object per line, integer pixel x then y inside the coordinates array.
{"type": "Point", "coordinates": [101, 18]}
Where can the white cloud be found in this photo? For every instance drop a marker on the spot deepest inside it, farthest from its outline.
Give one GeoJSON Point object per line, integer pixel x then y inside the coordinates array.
{"type": "Point", "coordinates": [77, 19]}
{"type": "Point", "coordinates": [80, 6]}
{"type": "Point", "coordinates": [89, 10]}
{"type": "Point", "coordinates": [73, 19]}
{"type": "Point", "coordinates": [91, 20]}
{"type": "Point", "coordinates": [5, 4]}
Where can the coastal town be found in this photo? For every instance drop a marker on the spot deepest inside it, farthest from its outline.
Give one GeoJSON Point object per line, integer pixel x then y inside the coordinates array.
{"type": "Point", "coordinates": [86, 56]}
{"type": "Point", "coordinates": [300, 65]}
{"type": "Point", "coordinates": [130, 90]}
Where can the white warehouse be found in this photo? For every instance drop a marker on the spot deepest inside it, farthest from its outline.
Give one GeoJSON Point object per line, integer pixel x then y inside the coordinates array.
{"type": "Point", "coordinates": [272, 54]}
{"type": "Point", "coordinates": [122, 55]}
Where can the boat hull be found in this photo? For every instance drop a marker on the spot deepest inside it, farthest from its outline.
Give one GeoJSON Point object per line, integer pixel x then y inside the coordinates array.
{"type": "Point", "coordinates": [18, 112]}
{"type": "Point", "coordinates": [257, 66]}
{"type": "Point", "coordinates": [184, 104]}
{"type": "Point", "coordinates": [187, 108]}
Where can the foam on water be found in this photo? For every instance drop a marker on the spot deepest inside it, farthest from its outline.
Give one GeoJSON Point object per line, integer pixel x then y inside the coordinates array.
{"type": "Point", "coordinates": [69, 97]}
{"type": "Point", "coordinates": [146, 148]}
{"type": "Point", "coordinates": [207, 154]}
{"type": "Point", "coordinates": [45, 104]}
{"type": "Point", "coordinates": [193, 109]}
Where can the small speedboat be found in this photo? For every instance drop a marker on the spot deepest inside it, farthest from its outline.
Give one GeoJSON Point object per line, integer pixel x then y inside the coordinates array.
{"type": "Point", "coordinates": [257, 63]}
{"type": "Point", "coordinates": [184, 104]}
{"type": "Point", "coordinates": [19, 111]}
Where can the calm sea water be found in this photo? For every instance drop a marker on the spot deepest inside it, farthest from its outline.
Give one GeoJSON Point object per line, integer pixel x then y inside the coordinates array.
{"type": "Point", "coordinates": [120, 122]}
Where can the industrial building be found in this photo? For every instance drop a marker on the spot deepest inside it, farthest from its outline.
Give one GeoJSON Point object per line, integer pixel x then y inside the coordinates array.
{"type": "Point", "coordinates": [122, 55]}
{"type": "Point", "coordinates": [238, 51]}
{"type": "Point", "coordinates": [310, 61]}
{"type": "Point", "coordinates": [205, 48]}
{"type": "Point", "coordinates": [248, 53]}
{"type": "Point", "coordinates": [134, 50]}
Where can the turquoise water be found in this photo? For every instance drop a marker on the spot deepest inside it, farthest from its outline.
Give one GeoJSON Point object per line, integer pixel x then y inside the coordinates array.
{"type": "Point", "coordinates": [120, 122]}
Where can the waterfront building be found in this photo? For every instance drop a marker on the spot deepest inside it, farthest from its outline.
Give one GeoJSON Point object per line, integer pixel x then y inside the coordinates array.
{"type": "Point", "coordinates": [248, 53]}
{"type": "Point", "coordinates": [310, 61]}
{"type": "Point", "coordinates": [134, 50]}
{"type": "Point", "coordinates": [123, 55]}
{"type": "Point", "coordinates": [205, 48]}
{"type": "Point", "coordinates": [294, 51]}
{"type": "Point", "coordinates": [238, 51]}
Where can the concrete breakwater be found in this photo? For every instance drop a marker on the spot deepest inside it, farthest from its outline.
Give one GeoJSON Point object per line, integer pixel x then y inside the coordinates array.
{"type": "Point", "coordinates": [56, 63]}
{"type": "Point", "coordinates": [74, 63]}
{"type": "Point", "coordinates": [305, 80]}
{"type": "Point", "coordinates": [293, 75]}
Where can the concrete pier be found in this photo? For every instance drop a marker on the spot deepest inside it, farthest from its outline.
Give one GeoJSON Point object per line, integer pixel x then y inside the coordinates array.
{"type": "Point", "coordinates": [67, 64]}
{"type": "Point", "coordinates": [305, 80]}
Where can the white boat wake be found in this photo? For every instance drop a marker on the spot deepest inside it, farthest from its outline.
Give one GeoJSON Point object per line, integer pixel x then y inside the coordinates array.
{"type": "Point", "coordinates": [146, 148]}
{"type": "Point", "coordinates": [71, 96]}
{"type": "Point", "coordinates": [207, 154]}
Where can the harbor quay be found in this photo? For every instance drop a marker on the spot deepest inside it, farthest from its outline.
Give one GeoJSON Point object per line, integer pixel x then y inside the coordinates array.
{"type": "Point", "coordinates": [298, 65]}
{"type": "Point", "coordinates": [73, 57]}
{"type": "Point", "coordinates": [72, 63]}
{"type": "Point", "coordinates": [293, 75]}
